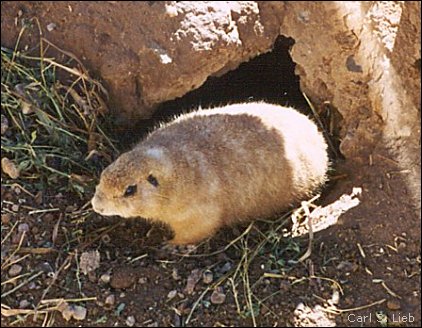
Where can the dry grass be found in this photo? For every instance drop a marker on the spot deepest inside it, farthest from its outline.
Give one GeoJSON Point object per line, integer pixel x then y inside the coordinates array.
{"type": "Point", "coordinates": [55, 132]}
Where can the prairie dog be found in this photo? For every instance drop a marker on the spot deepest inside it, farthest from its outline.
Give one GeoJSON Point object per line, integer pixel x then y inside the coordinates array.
{"type": "Point", "coordinates": [215, 167]}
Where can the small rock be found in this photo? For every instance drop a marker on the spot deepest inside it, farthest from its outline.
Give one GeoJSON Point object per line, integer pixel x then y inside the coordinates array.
{"type": "Point", "coordinates": [110, 300]}
{"type": "Point", "coordinates": [207, 277]}
{"type": "Point", "coordinates": [32, 285]}
{"type": "Point", "coordinates": [175, 275]}
{"type": "Point", "coordinates": [23, 304]}
{"type": "Point", "coordinates": [226, 267]}
{"type": "Point", "coordinates": [285, 285]}
{"type": "Point", "coordinates": [393, 305]}
{"type": "Point", "coordinates": [45, 267]}
{"type": "Point", "coordinates": [344, 265]}
{"type": "Point", "coordinates": [15, 207]}
{"type": "Point", "coordinates": [335, 298]}
{"type": "Point", "coordinates": [172, 294]}
{"type": "Point", "coordinates": [14, 270]}
{"type": "Point", "coordinates": [142, 280]}
{"type": "Point", "coordinates": [218, 296]}
{"type": "Point", "coordinates": [79, 312]}
{"type": "Point", "coordinates": [120, 309]}
{"type": "Point", "coordinates": [193, 279]}
{"type": "Point", "coordinates": [89, 261]}
{"type": "Point", "coordinates": [75, 311]}
{"type": "Point", "coordinates": [130, 321]}
{"type": "Point", "coordinates": [51, 27]}
{"type": "Point", "coordinates": [4, 124]}
{"type": "Point", "coordinates": [26, 108]}
{"type": "Point", "coordinates": [105, 278]}
{"type": "Point", "coordinates": [123, 278]}
{"type": "Point", "coordinates": [5, 218]}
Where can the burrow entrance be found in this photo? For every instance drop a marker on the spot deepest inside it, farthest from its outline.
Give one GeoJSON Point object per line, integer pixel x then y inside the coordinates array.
{"type": "Point", "coordinates": [269, 77]}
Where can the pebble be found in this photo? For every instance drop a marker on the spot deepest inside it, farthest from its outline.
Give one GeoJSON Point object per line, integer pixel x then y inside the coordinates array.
{"type": "Point", "coordinates": [226, 267]}
{"type": "Point", "coordinates": [14, 270]}
{"type": "Point", "coordinates": [51, 27]}
{"type": "Point", "coordinates": [130, 321]}
{"type": "Point", "coordinates": [32, 285]}
{"type": "Point", "coordinates": [172, 294]}
{"type": "Point", "coordinates": [5, 218]}
{"type": "Point", "coordinates": [89, 261]}
{"type": "Point", "coordinates": [23, 227]}
{"type": "Point", "coordinates": [393, 305]}
{"type": "Point", "coordinates": [207, 277]}
{"type": "Point", "coordinates": [15, 207]}
{"type": "Point", "coordinates": [193, 279]}
{"type": "Point", "coordinates": [4, 124]}
{"type": "Point", "coordinates": [23, 304]}
{"type": "Point", "coordinates": [142, 280]}
{"type": "Point", "coordinates": [110, 300]}
{"type": "Point", "coordinates": [10, 168]}
{"type": "Point", "coordinates": [75, 311]}
{"type": "Point", "coordinates": [79, 312]}
{"type": "Point", "coordinates": [105, 278]}
{"type": "Point", "coordinates": [218, 296]}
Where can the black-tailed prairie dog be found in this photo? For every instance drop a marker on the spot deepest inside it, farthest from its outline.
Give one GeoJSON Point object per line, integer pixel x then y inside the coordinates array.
{"type": "Point", "coordinates": [216, 167]}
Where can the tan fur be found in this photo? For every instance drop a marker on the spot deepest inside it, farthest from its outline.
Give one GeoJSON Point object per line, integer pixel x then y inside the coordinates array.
{"type": "Point", "coordinates": [216, 167]}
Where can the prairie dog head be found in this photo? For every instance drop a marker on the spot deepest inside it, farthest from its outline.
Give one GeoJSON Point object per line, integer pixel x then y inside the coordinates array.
{"type": "Point", "coordinates": [138, 183]}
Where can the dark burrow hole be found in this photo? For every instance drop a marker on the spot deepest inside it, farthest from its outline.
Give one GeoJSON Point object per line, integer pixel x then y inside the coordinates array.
{"type": "Point", "coordinates": [269, 77]}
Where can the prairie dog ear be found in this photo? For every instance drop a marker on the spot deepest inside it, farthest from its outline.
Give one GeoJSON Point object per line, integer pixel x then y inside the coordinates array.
{"type": "Point", "coordinates": [160, 155]}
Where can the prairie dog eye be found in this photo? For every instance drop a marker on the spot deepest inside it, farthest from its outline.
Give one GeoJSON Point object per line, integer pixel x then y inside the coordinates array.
{"type": "Point", "coordinates": [153, 180]}
{"type": "Point", "coordinates": [130, 191]}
